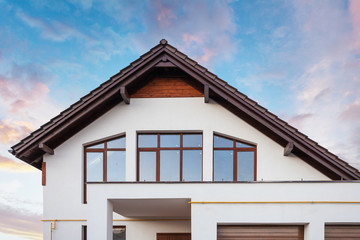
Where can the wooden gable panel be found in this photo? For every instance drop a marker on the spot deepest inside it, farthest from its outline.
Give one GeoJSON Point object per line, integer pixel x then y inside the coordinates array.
{"type": "Point", "coordinates": [162, 87]}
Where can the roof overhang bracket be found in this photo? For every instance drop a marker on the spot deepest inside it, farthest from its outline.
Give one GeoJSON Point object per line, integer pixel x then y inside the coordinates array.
{"type": "Point", "coordinates": [46, 148]}
{"type": "Point", "coordinates": [288, 149]}
{"type": "Point", "coordinates": [124, 94]}
{"type": "Point", "coordinates": [206, 93]}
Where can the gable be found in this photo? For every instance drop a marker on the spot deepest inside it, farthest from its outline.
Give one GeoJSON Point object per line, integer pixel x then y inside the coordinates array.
{"type": "Point", "coordinates": [129, 80]}
{"type": "Point", "coordinates": [167, 87]}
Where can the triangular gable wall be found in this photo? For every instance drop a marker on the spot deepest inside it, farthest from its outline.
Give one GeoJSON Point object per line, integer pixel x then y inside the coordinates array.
{"type": "Point", "coordinates": [126, 83]}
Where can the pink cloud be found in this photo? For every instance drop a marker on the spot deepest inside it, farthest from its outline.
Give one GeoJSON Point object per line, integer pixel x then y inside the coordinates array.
{"type": "Point", "coordinates": [185, 25]}
{"type": "Point", "coordinates": [354, 8]}
{"type": "Point", "coordinates": [20, 223]}
{"type": "Point", "coordinates": [13, 131]}
{"type": "Point", "coordinates": [165, 15]}
{"type": "Point", "coordinates": [6, 164]}
{"type": "Point", "coordinates": [298, 120]}
{"type": "Point", "coordinates": [19, 96]}
{"type": "Point", "coordinates": [189, 39]}
{"type": "Point", "coordinates": [352, 112]}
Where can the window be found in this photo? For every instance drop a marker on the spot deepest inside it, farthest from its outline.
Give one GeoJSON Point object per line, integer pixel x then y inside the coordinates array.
{"type": "Point", "coordinates": [119, 233]}
{"type": "Point", "coordinates": [234, 160]}
{"type": "Point", "coordinates": [105, 161]}
{"type": "Point", "coordinates": [170, 157]}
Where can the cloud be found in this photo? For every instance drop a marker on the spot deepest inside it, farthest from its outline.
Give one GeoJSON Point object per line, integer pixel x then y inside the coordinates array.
{"type": "Point", "coordinates": [352, 112]}
{"type": "Point", "coordinates": [354, 7]}
{"type": "Point", "coordinates": [25, 98]}
{"type": "Point", "coordinates": [181, 23]}
{"type": "Point", "coordinates": [55, 31]}
{"type": "Point", "coordinates": [20, 222]}
{"type": "Point", "coordinates": [297, 120]}
{"type": "Point", "coordinates": [329, 86]}
{"type": "Point", "coordinates": [9, 165]}
{"type": "Point", "coordinates": [12, 131]}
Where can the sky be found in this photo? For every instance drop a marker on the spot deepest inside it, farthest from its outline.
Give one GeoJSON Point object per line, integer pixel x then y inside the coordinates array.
{"type": "Point", "coordinates": [300, 59]}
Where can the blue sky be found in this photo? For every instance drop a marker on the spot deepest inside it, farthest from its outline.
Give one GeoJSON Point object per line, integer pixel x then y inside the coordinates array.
{"type": "Point", "coordinates": [299, 59]}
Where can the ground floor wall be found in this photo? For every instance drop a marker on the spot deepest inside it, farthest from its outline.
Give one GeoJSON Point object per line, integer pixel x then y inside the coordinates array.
{"type": "Point", "coordinates": [310, 204]}
{"type": "Point", "coordinates": [144, 229]}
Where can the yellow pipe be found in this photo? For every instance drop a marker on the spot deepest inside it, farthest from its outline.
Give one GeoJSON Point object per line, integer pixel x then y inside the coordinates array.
{"type": "Point", "coordinates": [53, 227]}
{"type": "Point", "coordinates": [143, 220]}
{"type": "Point", "coordinates": [64, 220]}
{"type": "Point", "coordinates": [125, 219]}
{"type": "Point", "coordinates": [264, 202]}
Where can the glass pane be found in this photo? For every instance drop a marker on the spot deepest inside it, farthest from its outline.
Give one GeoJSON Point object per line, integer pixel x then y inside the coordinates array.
{"type": "Point", "coordinates": [100, 145]}
{"type": "Point", "coordinates": [192, 165]}
{"type": "Point", "coordinates": [170, 140]}
{"type": "Point", "coordinates": [170, 165]}
{"type": "Point", "coordinates": [115, 165]}
{"type": "Point", "coordinates": [116, 143]}
{"type": "Point", "coordinates": [223, 165]}
{"type": "Point", "coordinates": [243, 145]}
{"type": "Point", "coordinates": [94, 166]}
{"type": "Point", "coordinates": [223, 142]}
{"type": "Point", "coordinates": [118, 233]}
{"type": "Point", "coordinates": [245, 166]}
{"type": "Point", "coordinates": [147, 168]}
{"type": "Point", "coordinates": [148, 140]}
{"type": "Point", "coordinates": [192, 140]}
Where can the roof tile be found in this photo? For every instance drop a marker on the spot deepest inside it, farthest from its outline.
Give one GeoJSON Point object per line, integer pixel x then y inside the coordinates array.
{"type": "Point", "coordinates": [171, 48]}
{"type": "Point", "coordinates": [190, 61]}
{"type": "Point", "coordinates": [181, 55]}
{"type": "Point", "coordinates": [201, 68]}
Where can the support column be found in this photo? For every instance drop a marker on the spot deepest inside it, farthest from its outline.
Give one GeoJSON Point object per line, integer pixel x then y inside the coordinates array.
{"type": "Point", "coordinates": [202, 225]}
{"type": "Point", "coordinates": [314, 231]}
{"type": "Point", "coordinates": [130, 174]}
{"type": "Point", "coordinates": [100, 220]}
{"type": "Point", "coordinates": [207, 155]}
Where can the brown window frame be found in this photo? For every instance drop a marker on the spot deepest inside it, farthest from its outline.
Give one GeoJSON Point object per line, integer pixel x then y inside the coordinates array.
{"type": "Point", "coordinates": [104, 151]}
{"type": "Point", "coordinates": [235, 151]}
{"type": "Point", "coordinates": [158, 149]}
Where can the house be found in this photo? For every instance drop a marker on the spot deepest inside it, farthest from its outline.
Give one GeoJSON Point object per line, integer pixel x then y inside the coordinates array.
{"type": "Point", "coordinates": [167, 150]}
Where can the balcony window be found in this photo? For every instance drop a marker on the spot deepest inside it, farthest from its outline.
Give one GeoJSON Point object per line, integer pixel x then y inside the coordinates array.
{"type": "Point", "coordinates": [170, 157]}
{"type": "Point", "coordinates": [234, 160]}
{"type": "Point", "coordinates": [105, 161]}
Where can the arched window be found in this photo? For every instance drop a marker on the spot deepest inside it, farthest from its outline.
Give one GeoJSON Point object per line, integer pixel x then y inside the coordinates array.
{"type": "Point", "coordinates": [234, 160]}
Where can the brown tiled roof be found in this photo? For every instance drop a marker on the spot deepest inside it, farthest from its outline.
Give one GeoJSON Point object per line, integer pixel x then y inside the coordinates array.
{"type": "Point", "coordinates": [104, 97]}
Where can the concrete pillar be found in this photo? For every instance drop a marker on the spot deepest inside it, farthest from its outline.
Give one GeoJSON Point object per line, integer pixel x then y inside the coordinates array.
{"type": "Point", "coordinates": [202, 227]}
{"type": "Point", "coordinates": [130, 174]}
{"type": "Point", "coordinates": [207, 155]}
{"type": "Point", "coordinates": [100, 220]}
{"type": "Point", "coordinates": [314, 230]}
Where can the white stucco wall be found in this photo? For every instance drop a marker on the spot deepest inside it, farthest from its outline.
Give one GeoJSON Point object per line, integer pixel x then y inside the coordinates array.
{"type": "Point", "coordinates": [63, 192]}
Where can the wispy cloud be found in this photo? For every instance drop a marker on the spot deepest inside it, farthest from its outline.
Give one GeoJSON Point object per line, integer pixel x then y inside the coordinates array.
{"type": "Point", "coordinates": [9, 165]}
{"type": "Point", "coordinates": [54, 30]}
{"type": "Point", "coordinates": [20, 223]}
{"type": "Point", "coordinates": [24, 95]}
{"type": "Point", "coordinates": [298, 120]}
{"type": "Point", "coordinates": [354, 7]}
{"type": "Point", "coordinates": [12, 131]}
{"type": "Point", "coordinates": [182, 24]}
{"type": "Point", "coordinates": [329, 87]}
